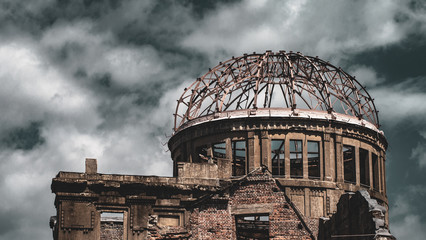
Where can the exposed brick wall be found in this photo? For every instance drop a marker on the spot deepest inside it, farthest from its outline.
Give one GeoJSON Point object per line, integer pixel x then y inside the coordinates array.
{"type": "Point", "coordinates": [111, 231]}
{"type": "Point", "coordinates": [216, 221]}
{"type": "Point", "coordinates": [212, 221]}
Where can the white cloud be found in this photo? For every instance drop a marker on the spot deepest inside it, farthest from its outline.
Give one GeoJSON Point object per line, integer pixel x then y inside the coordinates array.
{"type": "Point", "coordinates": [31, 88]}
{"type": "Point", "coordinates": [409, 226]}
{"type": "Point", "coordinates": [365, 75]}
{"type": "Point", "coordinates": [401, 101]}
{"type": "Point", "coordinates": [323, 28]}
{"type": "Point", "coordinates": [34, 90]}
{"type": "Point", "coordinates": [83, 47]}
{"type": "Point", "coordinates": [419, 152]}
{"type": "Point", "coordinates": [132, 66]}
{"type": "Point", "coordinates": [405, 223]}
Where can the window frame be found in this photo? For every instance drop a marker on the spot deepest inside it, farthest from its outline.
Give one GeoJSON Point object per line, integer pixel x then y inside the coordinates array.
{"type": "Point", "coordinates": [292, 160]}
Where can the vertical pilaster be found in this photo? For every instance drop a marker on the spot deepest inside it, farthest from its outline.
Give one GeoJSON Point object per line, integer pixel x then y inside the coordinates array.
{"type": "Point", "coordinates": [257, 150]}
{"type": "Point", "coordinates": [339, 158]}
{"type": "Point", "coordinates": [383, 156]}
{"type": "Point", "coordinates": [251, 150]}
{"type": "Point", "coordinates": [305, 158]}
{"type": "Point", "coordinates": [307, 202]}
{"type": "Point", "coordinates": [379, 171]}
{"type": "Point", "coordinates": [266, 150]}
{"type": "Point", "coordinates": [287, 156]}
{"type": "Point", "coordinates": [326, 163]}
{"type": "Point", "coordinates": [228, 149]}
{"type": "Point", "coordinates": [370, 168]}
{"type": "Point", "coordinates": [357, 169]}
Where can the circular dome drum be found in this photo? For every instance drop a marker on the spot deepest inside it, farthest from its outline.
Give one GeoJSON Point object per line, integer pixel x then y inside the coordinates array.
{"type": "Point", "coordinates": [275, 81]}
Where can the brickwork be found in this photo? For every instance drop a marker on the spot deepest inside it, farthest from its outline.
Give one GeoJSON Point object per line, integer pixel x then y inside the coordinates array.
{"type": "Point", "coordinates": [111, 231]}
{"type": "Point", "coordinates": [261, 195]}
{"type": "Point", "coordinates": [212, 221]}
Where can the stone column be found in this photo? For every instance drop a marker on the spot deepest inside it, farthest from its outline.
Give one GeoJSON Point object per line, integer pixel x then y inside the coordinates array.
{"type": "Point", "coordinates": [305, 157]}
{"type": "Point", "coordinates": [266, 150]}
{"type": "Point", "coordinates": [287, 156]}
{"type": "Point", "coordinates": [251, 150]}
{"type": "Point", "coordinates": [357, 170]}
{"type": "Point", "coordinates": [339, 158]}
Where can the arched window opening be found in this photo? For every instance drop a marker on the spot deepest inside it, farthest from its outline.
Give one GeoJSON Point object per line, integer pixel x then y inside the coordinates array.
{"type": "Point", "coordinates": [349, 163]}
{"type": "Point", "coordinates": [277, 156]}
{"type": "Point", "coordinates": [296, 159]}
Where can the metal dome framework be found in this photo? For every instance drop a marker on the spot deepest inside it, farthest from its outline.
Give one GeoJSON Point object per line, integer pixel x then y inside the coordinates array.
{"type": "Point", "coordinates": [275, 80]}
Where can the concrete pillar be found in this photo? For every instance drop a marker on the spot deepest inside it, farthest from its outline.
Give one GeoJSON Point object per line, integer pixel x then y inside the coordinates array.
{"type": "Point", "coordinates": [307, 202]}
{"type": "Point", "coordinates": [228, 149]}
{"type": "Point", "coordinates": [357, 169]}
{"type": "Point", "coordinates": [330, 171]}
{"type": "Point", "coordinates": [339, 158]}
{"type": "Point", "coordinates": [380, 167]}
{"type": "Point", "coordinates": [287, 156]}
{"type": "Point", "coordinates": [266, 150]}
{"type": "Point", "coordinates": [305, 158]}
{"type": "Point", "coordinates": [370, 168]}
{"type": "Point", "coordinates": [91, 166]}
{"type": "Point", "coordinates": [383, 156]}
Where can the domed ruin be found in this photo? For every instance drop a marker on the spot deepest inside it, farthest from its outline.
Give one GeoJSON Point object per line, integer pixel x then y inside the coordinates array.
{"type": "Point", "coordinates": [275, 145]}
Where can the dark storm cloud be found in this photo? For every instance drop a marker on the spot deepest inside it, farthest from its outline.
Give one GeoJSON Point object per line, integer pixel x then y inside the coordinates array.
{"type": "Point", "coordinates": [101, 78]}
{"type": "Point", "coordinates": [24, 138]}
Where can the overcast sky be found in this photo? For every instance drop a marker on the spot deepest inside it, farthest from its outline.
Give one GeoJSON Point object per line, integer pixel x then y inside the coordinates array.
{"type": "Point", "coordinates": [100, 79]}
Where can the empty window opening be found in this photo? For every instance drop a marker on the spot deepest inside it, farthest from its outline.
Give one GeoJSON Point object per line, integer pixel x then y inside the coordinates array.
{"type": "Point", "coordinates": [313, 159]}
{"type": "Point", "coordinates": [238, 158]}
{"type": "Point", "coordinates": [349, 163]}
{"type": "Point", "coordinates": [364, 167]}
{"type": "Point", "coordinates": [112, 225]}
{"type": "Point", "coordinates": [277, 157]}
{"type": "Point", "coordinates": [202, 154]}
{"type": "Point", "coordinates": [219, 150]}
{"type": "Point", "coordinates": [250, 227]}
{"type": "Point", "coordinates": [296, 159]}
{"type": "Point", "coordinates": [375, 166]}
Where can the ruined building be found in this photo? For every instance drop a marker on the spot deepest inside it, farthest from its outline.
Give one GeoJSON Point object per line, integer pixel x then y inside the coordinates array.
{"type": "Point", "coordinates": [265, 146]}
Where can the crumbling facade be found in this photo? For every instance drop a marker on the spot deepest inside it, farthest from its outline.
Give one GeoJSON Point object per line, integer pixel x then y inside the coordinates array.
{"type": "Point", "coordinates": [265, 146]}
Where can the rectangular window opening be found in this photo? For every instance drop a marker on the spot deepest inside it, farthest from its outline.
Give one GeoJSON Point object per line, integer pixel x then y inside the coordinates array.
{"type": "Point", "coordinates": [238, 158]}
{"type": "Point", "coordinates": [202, 154]}
{"type": "Point", "coordinates": [349, 163]}
{"type": "Point", "coordinates": [219, 150]}
{"type": "Point", "coordinates": [313, 160]}
{"type": "Point", "coordinates": [112, 225]}
{"type": "Point", "coordinates": [364, 167]}
{"type": "Point", "coordinates": [375, 163]}
{"type": "Point", "coordinates": [296, 159]}
{"type": "Point", "coordinates": [277, 157]}
{"type": "Point", "coordinates": [252, 227]}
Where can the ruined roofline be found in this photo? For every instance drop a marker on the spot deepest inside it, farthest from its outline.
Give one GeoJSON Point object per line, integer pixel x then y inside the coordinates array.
{"type": "Point", "coordinates": [118, 181]}
{"type": "Point", "coordinates": [282, 113]}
